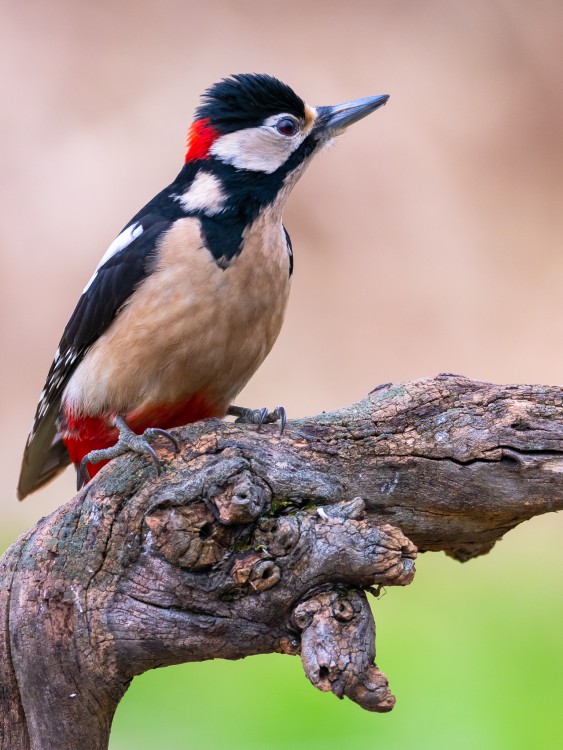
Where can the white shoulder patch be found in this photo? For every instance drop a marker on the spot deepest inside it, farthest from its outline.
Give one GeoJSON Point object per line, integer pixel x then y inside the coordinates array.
{"type": "Point", "coordinates": [122, 241]}
{"type": "Point", "coordinates": [204, 194]}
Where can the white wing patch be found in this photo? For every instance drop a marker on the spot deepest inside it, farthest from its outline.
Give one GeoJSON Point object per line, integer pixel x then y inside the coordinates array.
{"type": "Point", "coordinates": [122, 241]}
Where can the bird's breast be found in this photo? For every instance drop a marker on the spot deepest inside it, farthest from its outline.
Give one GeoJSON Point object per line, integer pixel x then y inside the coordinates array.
{"type": "Point", "coordinates": [192, 327]}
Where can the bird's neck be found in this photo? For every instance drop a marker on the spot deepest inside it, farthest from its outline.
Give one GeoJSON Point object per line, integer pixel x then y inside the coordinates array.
{"type": "Point", "coordinates": [224, 193]}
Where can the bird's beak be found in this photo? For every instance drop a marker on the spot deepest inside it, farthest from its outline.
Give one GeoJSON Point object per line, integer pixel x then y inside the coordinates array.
{"type": "Point", "coordinates": [333, 120]}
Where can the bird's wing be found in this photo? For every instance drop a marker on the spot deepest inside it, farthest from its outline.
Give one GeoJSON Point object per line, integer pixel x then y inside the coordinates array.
{"type": "Point", "coordinates": [128, 260]}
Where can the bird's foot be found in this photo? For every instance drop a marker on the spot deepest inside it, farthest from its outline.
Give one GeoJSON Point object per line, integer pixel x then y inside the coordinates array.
{"type": "Point", "coordinates": [259, 416]}
{"type": "Point", "coordinates": [128, 441]}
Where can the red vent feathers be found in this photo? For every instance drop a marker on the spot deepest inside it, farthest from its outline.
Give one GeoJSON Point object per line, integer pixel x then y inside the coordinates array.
{"type": "Point", "coordinates": [200, 137]}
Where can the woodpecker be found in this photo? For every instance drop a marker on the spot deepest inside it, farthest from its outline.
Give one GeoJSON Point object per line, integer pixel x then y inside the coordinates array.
{"type": "Point", "coordinates": [190, 297]}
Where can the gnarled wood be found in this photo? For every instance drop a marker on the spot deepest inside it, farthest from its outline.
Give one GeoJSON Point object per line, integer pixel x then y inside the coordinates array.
{"type": "Point", "coordinates": [252, 542]}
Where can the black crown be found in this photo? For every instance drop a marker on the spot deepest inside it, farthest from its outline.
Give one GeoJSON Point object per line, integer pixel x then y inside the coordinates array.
{"type": "Point", "coordinates": [245, 100]}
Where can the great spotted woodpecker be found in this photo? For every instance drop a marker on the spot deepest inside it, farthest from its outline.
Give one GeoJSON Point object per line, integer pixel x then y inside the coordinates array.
{"type": "Point", "coordinates": [190, 297]}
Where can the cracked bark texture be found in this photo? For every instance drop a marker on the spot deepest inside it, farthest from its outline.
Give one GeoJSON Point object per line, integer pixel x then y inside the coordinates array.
{"type": "Point", "coordinates": [252, 542]}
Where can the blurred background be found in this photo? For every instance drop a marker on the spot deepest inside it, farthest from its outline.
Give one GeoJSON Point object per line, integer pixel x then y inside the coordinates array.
{"type": "Point", "coordinates": [428, 239]}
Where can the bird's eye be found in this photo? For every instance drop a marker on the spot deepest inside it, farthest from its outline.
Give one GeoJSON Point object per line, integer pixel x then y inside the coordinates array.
{"type": "Point", "coordinates": [286, 126]}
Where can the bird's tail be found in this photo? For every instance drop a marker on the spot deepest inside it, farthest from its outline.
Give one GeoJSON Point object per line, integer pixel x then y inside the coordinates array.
{"type": "Point", "coordinates": [45, 454]}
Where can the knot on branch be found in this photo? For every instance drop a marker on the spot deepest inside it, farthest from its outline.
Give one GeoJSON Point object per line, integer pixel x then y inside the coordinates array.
{"type": "Point", "coordinates": [325, 544]}
{"type": "Point", "coordinates": [255, 572]}
{"type": "Point", "coordinates": [240, 499]}
{"type": "Point", "coordinates": [338, 648]}
{"type": "Point", "coordinates": [259, 573]}
{"type": "Point", "coordinates": [315, 546]}
{"type": "Point", "coordinates": [186, 536]}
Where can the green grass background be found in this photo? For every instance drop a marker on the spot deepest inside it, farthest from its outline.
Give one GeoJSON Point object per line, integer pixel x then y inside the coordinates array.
{"type": "Point", "coordinates": [473, 653]}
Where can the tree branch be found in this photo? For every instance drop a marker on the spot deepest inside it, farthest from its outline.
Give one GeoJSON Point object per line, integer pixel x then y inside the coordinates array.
{"type": "Point", "coordinates": [251, 542]}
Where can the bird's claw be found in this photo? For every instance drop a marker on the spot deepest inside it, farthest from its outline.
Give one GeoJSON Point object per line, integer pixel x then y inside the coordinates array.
{"type": "Point", "coordinates": [282, 416]}
{"type": "Point", "coordinates": [259, 416]}
{"type": "Point", "coordinates": [151, 432]}
{"type": "Point", "coordinates": [84, 470]}
{"type": "Point", "coordinates": [129, 441]}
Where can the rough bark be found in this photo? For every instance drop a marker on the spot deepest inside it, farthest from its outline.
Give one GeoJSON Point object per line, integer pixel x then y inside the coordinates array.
{"type": "Point", "coordinates": [252, 542]}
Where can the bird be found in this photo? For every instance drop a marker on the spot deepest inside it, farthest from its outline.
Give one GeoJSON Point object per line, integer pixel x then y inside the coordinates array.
{"type": "Point", "coordinates": [189, 298]}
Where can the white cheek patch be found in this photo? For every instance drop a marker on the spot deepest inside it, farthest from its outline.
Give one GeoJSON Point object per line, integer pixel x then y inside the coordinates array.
{"type": "Point", "coordinates": [204, 194]}
{"type": "Point", "coordinates": [258, 149]}
{"type": "Point", "coordinates": [122, 241]}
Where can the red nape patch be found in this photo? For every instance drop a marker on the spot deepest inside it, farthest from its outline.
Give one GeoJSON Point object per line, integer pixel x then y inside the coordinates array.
{"type": "Point", "coordinates": [200, 137]}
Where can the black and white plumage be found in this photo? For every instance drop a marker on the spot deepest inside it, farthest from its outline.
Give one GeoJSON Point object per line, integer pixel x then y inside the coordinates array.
{"type": "Point", "coordinates": [125, 264]}
{"type": "Point", "coordinates": [189, 298]}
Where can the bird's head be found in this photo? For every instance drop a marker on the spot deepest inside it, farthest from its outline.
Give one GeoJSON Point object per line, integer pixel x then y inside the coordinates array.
{"type": "Point", "coordinates": [256, 130]}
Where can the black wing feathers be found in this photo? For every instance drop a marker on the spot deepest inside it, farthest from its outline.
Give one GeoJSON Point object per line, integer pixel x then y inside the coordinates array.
{"type": "Point", "coordinates": [112, 284]}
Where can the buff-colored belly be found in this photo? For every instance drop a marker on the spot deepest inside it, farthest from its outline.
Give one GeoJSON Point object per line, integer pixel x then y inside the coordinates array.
{"type": "Point", "coordinates": [191, 327]}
